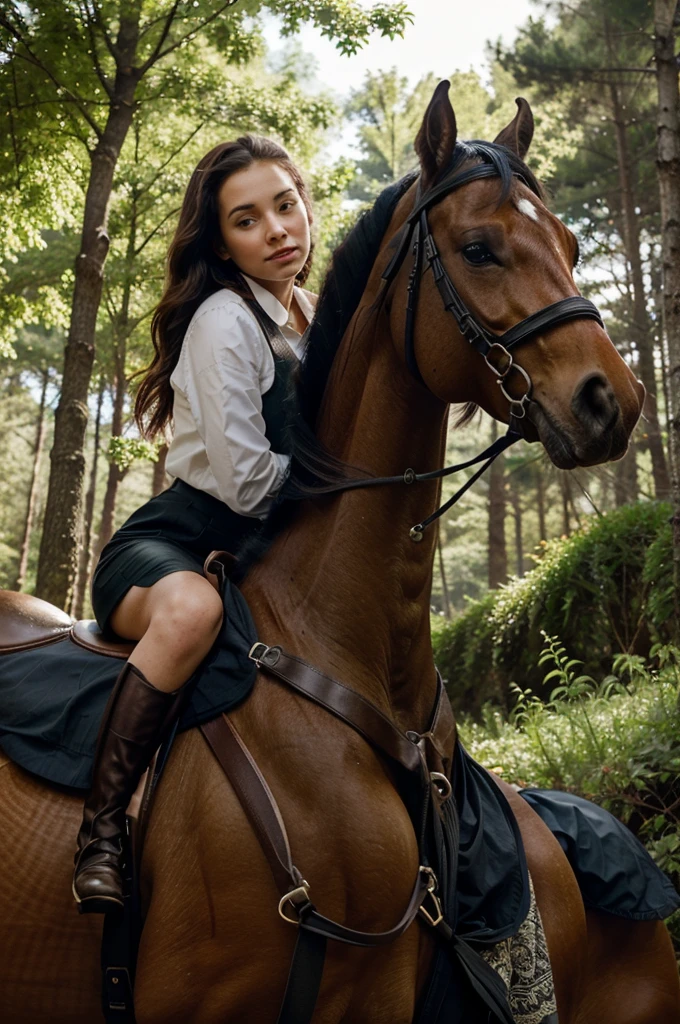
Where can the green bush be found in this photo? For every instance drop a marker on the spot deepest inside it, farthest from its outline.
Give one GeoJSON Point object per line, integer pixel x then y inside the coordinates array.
{"type": "Point", "coordinates": [607, 589]}
{"type": "Point", "coordinates": [616, 742]}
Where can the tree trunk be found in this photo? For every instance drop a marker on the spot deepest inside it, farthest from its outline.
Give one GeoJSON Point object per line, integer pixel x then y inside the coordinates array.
{"type": "Point", "coordinates": [58, 550]}
{"type": "Point", "coordinates": [33, 489]}
{"type": "Point", "coordinates": [642, 327]}
{"type": "Point", "coordinates": [668, 169]}
{"type": "Point", "coordinates": [517, 517]}
{"type": "Point", "coordinates": [115, 474]}
{"type": "Point", "coordinates": [160, 480]}
{"type": "Point", "coordinates": [498, 554]}
{"type": "Point", "coordinates": [85, 553]}
{"type": "Point", "coordinates": [626, 488]}
{"type": "Point", "coordinates": [540, 503]}
{"type": "Point", "coordinates": [565, 491]}
{"type": "Point", "coordinates": [442, 572]}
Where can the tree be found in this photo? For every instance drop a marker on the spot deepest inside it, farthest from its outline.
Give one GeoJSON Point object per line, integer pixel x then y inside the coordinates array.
{"type": "Point", "coordinates": [666, 17]}
{"type": "Point", "coordinates": [498, 553]}
{"type": "Point", "coordinates": [388, 115]}
{"type": "Point", "coordinates": [81, 70]}
{"type": "Point", "coordinates": [595, 59]}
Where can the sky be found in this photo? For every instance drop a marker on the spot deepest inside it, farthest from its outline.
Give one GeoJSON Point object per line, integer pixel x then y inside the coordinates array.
{"type": "Point", "coordinates": [446, 36]}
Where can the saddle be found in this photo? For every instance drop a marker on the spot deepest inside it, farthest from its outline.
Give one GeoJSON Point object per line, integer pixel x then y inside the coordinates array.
{"type": "Point", "coordinates": [27, 622]}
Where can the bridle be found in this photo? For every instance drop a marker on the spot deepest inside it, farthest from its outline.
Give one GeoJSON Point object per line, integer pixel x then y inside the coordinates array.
{"type": "Point", "coordinates": [495, 348]}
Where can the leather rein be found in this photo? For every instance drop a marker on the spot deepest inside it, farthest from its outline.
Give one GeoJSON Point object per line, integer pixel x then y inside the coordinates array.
{"type": "Point", "coordinates": [495, 348]}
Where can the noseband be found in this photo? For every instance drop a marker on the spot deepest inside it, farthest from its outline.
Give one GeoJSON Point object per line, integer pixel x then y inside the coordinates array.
{"type": "Point", "coordinates": [495, 348]}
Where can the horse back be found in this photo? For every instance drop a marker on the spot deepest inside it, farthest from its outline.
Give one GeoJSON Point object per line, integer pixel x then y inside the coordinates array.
{"type": "Point", "coordinates": [49, 954]}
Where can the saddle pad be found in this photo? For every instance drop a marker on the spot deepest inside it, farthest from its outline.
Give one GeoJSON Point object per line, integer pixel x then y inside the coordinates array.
{"type": "Point", "coordinates": [524, 965]}
{"type": "Point", "coordinates": [52, 698]}
{"type": "Point", "coordinates": [492, 892]}
{"type": "Point", "coordinates": [614, 871]}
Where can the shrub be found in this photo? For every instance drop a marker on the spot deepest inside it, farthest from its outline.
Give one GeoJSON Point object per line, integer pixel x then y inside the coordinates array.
{"type": "Point", "coordinates": [616, 742]}
{"type": "Point", "coordinates": [607, 589]}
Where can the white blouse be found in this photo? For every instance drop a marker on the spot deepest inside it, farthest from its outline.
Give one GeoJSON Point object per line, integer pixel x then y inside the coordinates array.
{"type": "Point", "coordinates": [224, 368]}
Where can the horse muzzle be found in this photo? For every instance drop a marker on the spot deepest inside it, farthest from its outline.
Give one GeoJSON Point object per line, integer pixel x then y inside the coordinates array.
{"type": "Point", "coordinates": [594, 430]}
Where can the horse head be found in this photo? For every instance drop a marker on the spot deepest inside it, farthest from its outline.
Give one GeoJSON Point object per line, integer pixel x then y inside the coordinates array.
{"type": "Point", "coordinates": [510, 262]}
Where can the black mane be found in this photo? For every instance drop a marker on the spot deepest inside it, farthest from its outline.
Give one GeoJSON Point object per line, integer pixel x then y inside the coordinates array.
{"type": "Point", "coordinates": [313, 468]}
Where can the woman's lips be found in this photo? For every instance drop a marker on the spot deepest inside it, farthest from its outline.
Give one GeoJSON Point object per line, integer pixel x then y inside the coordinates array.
{"type": "Point", "coordinates": [283, 255]}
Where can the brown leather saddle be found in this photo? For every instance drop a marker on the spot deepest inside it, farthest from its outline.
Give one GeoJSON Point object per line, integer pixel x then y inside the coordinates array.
{"type": "Point", "coordinates": [27, 621]}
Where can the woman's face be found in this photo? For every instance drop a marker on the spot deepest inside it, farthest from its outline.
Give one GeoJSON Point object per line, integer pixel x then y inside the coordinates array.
{"type": "Point", "coordinates": [264, 223]}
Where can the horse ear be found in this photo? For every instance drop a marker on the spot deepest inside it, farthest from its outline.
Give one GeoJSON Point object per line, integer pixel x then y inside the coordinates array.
{"type": "Point", "coordinates": [518, 134]}
{"type": "Point", "coordinates": [436, 140]}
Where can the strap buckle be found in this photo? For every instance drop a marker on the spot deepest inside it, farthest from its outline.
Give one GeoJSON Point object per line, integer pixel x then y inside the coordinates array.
{"type": "Point", "coordinates": [261, 654]}
{"type": "Point", "coordinates": [472, 332]}
{"type": "Point", "coordinates": [296, 898]}
{"type": "Point", "coordinates": [442, 785]}
{"type": "Point", "coordinates": [431, 893]}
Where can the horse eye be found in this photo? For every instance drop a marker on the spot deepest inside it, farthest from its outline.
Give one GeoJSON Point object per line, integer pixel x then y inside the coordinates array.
{"type": "Point", "coordinates": [478, 254]}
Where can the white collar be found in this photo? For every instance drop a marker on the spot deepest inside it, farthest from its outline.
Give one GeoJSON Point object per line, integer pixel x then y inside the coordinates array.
{"type": "Point", "coordinates": [269, 302]}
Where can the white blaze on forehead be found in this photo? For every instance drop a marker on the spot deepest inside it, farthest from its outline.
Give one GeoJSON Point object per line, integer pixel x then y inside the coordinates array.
{"type": "Point", "coordinates": [527, 207]}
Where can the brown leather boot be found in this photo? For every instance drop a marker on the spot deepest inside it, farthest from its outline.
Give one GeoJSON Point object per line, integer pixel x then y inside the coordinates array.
{"type": "Point", "coordinates": [137, 719]}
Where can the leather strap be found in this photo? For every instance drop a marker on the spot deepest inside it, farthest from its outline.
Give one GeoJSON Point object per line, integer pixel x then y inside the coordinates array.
{"type": "Point", "coordinates": [256, 798]}
{"type": "Point", "coordinates": [574, 307]}
{"type": "Point", "coordinates": [304, 979]}
{"type": "Point", "coordinates": [263, 813]}
{"type": "Point", "coordinates": [354, 710]}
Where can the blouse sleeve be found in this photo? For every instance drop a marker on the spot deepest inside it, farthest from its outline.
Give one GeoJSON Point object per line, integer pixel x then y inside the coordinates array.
{"type": "Point", "coordinates": [227, 361]}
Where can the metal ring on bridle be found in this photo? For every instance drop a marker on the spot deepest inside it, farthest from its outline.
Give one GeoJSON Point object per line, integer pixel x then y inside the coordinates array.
{"type": "Point", "coordinates": [517, 405]}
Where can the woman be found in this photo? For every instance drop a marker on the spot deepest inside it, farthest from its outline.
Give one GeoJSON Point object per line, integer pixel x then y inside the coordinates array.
{"type": "Point", "coordinates": [227, 332]}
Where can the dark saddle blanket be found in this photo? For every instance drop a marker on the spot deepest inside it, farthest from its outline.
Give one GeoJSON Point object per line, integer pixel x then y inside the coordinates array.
{"type": "Point", "coordinates": [52, 699]}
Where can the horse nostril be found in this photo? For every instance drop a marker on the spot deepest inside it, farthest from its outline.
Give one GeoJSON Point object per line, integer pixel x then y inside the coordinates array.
{"type": "Point", "coordinates": [594, 401]}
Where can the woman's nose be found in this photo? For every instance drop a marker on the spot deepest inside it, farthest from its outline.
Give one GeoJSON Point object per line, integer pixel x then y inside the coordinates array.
{"type": "Point", "coordinates": [275, 228]}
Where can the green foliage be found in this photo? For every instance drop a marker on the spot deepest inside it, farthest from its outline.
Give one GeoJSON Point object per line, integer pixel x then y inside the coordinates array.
{"type": "Point", "coordinates": [616, 742]}
{"type": "Point", "coordinates": [600, 589]}
{"type": "Point", "coordinates": [123, 451]}
{"type": "Point", "coordinates": [345, 21]}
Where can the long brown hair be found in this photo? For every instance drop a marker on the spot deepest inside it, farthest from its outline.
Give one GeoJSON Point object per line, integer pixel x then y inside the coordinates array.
{"type": "Point", "coordinates": [195, 270]}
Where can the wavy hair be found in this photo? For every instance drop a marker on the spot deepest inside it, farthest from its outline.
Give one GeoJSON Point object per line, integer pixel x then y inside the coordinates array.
{"type": "Point", "coordinates": [195, 269]}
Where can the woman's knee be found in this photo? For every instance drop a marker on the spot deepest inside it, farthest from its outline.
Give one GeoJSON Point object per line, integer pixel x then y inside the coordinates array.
{"type": "Point", "coordinates": [189, 608]}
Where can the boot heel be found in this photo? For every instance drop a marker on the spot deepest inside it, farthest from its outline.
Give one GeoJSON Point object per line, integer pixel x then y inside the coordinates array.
{"type": "Point", "coordinates": [100, 905]}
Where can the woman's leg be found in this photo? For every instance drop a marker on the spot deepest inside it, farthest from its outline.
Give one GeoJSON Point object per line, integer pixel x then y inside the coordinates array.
{"type": "Point", "coordinates": [176, 622]}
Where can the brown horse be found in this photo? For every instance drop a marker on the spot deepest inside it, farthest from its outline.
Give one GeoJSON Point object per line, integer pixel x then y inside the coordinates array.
{"type": "Point", "coordinates": [344, 586]}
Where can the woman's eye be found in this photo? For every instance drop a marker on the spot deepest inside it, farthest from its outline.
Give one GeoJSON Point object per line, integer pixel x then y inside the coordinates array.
{"type": "Point", "coordinates": [288, 205]}
{"type": "Point", "coordinates": [478, 254]}
{"type": "Point", "coordinates": [246, 222]}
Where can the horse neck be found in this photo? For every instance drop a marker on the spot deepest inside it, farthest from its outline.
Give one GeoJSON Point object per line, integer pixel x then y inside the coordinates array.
{"type": "Point", "coordinates": [344, 584]}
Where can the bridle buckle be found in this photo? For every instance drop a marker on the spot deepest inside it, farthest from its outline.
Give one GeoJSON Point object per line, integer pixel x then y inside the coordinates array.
{"type": "Point", "coordinates": [471, 330]}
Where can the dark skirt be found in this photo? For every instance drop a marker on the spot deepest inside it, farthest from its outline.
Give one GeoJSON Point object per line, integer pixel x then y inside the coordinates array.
{"type": "Point", "coordinates": [173, 532]}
